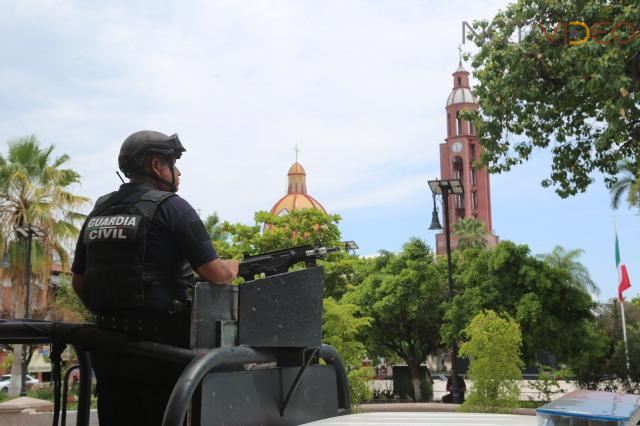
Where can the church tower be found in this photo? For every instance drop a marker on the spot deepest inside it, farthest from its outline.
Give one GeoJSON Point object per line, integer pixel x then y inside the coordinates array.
{"type": "Point", "coordinates": [457, 155]}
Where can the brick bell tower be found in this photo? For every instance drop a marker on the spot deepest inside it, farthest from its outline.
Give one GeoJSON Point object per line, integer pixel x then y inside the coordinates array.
{"type": "Point", "coordinates": [457, 155]}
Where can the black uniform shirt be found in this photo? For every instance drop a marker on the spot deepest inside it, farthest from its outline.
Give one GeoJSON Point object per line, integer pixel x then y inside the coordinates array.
{"type": "Point", "coordinates": [175, 233]}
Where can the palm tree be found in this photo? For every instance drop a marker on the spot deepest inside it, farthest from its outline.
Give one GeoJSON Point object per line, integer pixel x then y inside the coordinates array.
{"type": "Point", "coordinates": [629, 183]}
{"type": "Point", "coordinates": [214, 227]}
{"type": "Point", "coordinates": [471, 233]}
{"type": "Point", "coordinates": [568, 261]}
{"type": "Point", "coordinates": [34, 191]}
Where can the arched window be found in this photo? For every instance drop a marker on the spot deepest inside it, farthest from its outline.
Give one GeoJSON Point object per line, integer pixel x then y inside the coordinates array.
{"type": "Point", "coordinates": [457, 168]}
{"type": "Point", "coordinates": [458, 123]}
{"type": "Point", "coordinates": [459, 82]}
{"type": "Point", "coordinates": [448, 124]}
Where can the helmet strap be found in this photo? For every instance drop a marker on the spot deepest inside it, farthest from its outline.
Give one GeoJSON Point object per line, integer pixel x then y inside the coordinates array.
{"type": "Point", "coordinates": [172, 184]}
{"type": "Point", "coordinates": [173, 187]}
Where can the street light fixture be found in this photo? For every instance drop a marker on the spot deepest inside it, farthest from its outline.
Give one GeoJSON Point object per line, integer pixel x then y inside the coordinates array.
{"type": "Point", "coordinates": [444, 188]}
{"type": "Point", "coordinates": [350, 246]}
{"type": "Point", "coordinates": [27, 232]}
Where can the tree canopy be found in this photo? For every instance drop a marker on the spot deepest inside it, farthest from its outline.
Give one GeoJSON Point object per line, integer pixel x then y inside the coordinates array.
{"type": "Point", "coordinates": [508, 279]}
{"type": "Point", "coordinates": [404, 294]}
{"type": "Point", "coordinates": [560, 87]}
{"type": "Point", "coordinates": [602, 362]}
{"type": "Point", "coordinates": [628, 183]}
{"type": "Point", "coordinates": [35, 190]}
{"type": "Point", "coordinates": [568, 260]}
{"type": "Point", "coordinates": [471, 233]}
{"type": "Point", "coordinates": [272, 232]}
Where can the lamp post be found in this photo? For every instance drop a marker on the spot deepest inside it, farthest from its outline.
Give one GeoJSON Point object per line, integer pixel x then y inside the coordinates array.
{"type": "Point", "coordinates": [444, 188]}
{"type": "Point", "coordinates": [27, 232]}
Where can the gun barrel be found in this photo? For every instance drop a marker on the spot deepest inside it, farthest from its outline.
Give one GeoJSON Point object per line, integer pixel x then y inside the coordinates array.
{"type": "Point", "coordinates": [321, 251]}
{"type": "Point", "coordinates": [279, 261]}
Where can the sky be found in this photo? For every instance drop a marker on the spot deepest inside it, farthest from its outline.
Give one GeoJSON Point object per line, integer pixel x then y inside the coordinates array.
{"type": "Point", "coordinates": [359, 86]}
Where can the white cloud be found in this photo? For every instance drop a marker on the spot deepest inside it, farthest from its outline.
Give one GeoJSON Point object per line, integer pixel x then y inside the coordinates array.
{"type": "Point", "coordinates": [359, 85]}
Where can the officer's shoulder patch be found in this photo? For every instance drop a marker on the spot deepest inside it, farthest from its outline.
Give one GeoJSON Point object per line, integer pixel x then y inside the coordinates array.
{"type": "Point", "coordinates": [112, 228]}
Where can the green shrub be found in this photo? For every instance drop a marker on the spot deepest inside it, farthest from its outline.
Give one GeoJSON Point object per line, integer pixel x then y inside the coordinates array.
{"type": "Point", "coordinates": [359, 384]}
{"type": "Point", "coordinates": [548, 381]}
{"type": "Point", "coordinates": [495, 366]}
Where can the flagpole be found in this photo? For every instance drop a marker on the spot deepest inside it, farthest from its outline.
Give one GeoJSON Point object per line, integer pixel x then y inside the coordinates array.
{"type": "Point", "coordinates": [621, 300]}
{"type": "Point", "coordinates": [624, 336]}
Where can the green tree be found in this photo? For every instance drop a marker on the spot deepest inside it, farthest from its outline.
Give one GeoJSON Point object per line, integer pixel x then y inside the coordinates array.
{"type": "Point", "coordinates": [509, 280]}
{"type": "Point", "coordinates": [404, 294]}
{"type": "Point", "coordinates": [342, 329]}
{"type": "Point", "coordinates": [602, 362]}
{"type": "Point", "coordinates": [344, 272]}
{"type": "Point", "coordinates": [568, 260]}
{"type": "Point", "coordinates": [579, 100]}
{"type": "Point", "coordinates": [271, 232]}
{"type": "Point", "coordinates": [629, 182]}
{"type": "Point", "coordinates": [471, 233]}
{"type": "Point", "coordinates": [495, 366]}
{"type": "Point", "coordinates": [629, 379]}
{"type": "Point", "coordinates": [35, 190]}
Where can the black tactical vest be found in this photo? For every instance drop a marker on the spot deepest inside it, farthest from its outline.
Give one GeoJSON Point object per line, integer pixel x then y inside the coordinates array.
{"type": "Point", "coordinates": [115, 238]}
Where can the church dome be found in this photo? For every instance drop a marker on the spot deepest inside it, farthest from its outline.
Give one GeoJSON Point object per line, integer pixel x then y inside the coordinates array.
{"type": "Point", "coordinates": [297, 197]}
{"type": "Point", "coordinates": [297, 169]}
{"type": "Point", "coordinates": [461, 95]}
{"type": "Point", "coordinates": [461, 92]}
{"type": "Point", "coordinates": [296, 202]}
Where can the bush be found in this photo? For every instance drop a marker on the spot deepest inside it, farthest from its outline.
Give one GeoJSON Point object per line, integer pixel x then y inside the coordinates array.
{"type": "Point", "coordinates": [548, 381]}
{"type": "Point", "coordinates": [383, 394]}
{"type": "Point", "coordinates": [495, 365]}
{"type": "Point", "coordinates": [358, 384]}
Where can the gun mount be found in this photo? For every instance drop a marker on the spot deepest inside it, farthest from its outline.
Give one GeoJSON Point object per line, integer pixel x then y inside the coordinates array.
{"type": "Point", "coordinates": [279, 261]}
{"type": "Point", "coordinates": [253, 347]}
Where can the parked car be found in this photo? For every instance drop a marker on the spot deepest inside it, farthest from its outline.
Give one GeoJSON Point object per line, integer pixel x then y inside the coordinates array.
{"type": "Point", "coordinates": [6, 379]}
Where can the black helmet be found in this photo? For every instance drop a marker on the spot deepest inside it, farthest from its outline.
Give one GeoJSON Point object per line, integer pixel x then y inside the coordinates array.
{"type": "Point", "coordinates": [136, 146]}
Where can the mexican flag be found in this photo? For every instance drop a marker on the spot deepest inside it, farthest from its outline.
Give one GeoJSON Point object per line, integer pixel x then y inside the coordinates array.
{"type": "Point", "coordinates": [623, 276]}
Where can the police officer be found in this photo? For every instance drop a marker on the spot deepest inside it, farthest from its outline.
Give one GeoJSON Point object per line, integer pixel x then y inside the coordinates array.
{"type": "Point", "coordinates": [133, 266]}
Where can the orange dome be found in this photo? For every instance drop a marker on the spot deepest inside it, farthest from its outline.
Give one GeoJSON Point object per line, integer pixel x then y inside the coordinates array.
{"type": "Point", "coordinates": [296, 202]}
{"type": "Point", "coordinates": [297, 169]}
{"type": "Point", "coordinates": [297, 197]}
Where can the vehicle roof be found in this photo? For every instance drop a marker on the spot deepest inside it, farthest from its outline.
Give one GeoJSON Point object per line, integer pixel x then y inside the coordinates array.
{"type": "Point", "coordinates": [427, 418]}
